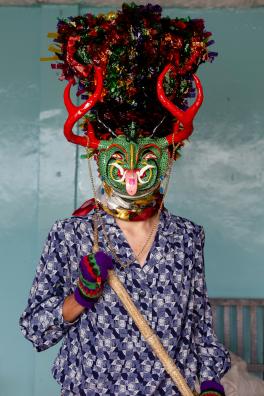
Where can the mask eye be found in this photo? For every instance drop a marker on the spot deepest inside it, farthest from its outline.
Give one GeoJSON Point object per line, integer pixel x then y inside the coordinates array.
{"type": "Point", "coordinates": [149, 155]}
{"type": "Point", "coordinates": [118, 156]}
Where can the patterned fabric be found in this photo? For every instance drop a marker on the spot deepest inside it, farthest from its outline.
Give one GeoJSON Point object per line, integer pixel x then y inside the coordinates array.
{"type": "Point", "coordinates": [102, 352]}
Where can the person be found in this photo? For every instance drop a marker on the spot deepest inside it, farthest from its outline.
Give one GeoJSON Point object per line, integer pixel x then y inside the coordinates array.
{"type": "Point", "coordinates": [126, 227]}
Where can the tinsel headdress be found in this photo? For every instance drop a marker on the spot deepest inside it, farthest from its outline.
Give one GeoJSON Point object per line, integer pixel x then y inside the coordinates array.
{"type": "Point", "coordinates": [117, 59]}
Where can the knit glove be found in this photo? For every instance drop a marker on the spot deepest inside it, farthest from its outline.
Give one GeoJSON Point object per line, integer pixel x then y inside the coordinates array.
{"type": "Point", "coordinates": [212, 388]}
{"type": "Point", "coordinates": [93, 274]}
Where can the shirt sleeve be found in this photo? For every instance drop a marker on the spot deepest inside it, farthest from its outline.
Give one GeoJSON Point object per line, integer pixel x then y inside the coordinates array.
{"type": "Point", "coordinates": [213, 358]}
{"type": "Point", "coordinates": [42, 322]}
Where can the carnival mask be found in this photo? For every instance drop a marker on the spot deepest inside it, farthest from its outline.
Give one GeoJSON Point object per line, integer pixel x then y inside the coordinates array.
{"type": "Point", "coordinates": [132, 168]}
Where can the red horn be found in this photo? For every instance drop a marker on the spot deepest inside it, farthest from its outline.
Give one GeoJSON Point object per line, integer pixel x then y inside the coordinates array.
{"type": "Point", "coordinates": [77, 112]}
{"type": "Point", "coordinates": [185, 118]}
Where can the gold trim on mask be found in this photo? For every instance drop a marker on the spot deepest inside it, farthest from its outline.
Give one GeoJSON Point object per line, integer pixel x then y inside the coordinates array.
{"type": "Point", "coordinates": [108, 189]}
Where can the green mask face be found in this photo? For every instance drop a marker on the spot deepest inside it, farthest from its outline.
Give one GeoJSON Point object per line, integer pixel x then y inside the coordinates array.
{"type": "Point", "coordinates": [131, 168]}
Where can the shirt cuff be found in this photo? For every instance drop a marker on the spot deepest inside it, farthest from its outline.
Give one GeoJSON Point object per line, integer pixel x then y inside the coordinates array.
{"type": "Point", "coordinates": [59, 321]}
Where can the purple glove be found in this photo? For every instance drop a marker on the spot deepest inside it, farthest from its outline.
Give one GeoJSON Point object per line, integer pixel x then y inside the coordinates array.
{"type": "Point", "coordinates": [212, 388]}
{"type": "Point", "coordinates": [93, 273]}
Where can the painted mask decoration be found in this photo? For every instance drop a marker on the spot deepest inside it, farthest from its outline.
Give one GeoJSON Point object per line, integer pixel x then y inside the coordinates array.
{"type": "Point", "coordinates": [132, 168]}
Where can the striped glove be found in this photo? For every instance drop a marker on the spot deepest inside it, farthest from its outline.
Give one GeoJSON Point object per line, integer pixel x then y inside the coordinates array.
{"type": "Point", "coordinates": [212, 388]}
{"type": "Point", "coordinates": [93, 274]}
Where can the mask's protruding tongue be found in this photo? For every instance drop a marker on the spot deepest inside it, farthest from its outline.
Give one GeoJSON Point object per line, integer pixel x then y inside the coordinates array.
{"type": "Point", "coordinates": [131, 182]}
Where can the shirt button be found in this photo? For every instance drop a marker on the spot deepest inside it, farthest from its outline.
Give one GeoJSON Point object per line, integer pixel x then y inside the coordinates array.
{"type": "Point", "coordinates": [142, 293]}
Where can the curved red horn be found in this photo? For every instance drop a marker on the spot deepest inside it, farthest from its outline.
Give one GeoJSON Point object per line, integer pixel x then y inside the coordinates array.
{"type": "Point", "coordinates": [77, 112]}
{"type": "Point", "coordinates": [93, 142]}
{"type": "Point", "coordinates": [183, 117]}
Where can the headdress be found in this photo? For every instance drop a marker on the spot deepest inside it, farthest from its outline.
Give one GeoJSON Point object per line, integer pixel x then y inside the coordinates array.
{"type": "Point", "coordinates": [134, 70]}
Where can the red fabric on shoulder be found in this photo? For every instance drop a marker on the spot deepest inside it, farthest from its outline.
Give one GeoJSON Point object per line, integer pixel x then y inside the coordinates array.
{"type": "Point", "coordinates": [86, 207]}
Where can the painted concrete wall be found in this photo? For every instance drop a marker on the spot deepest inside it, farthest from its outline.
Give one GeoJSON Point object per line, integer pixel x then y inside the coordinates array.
{"type": "Point", "coordinates": [217, 183]}
{"type": "Point", "coordinates": [163, 3]}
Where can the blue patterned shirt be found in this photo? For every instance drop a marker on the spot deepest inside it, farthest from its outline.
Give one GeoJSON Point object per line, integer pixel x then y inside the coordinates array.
{"type": "Point", "coordinates": [103, 352]}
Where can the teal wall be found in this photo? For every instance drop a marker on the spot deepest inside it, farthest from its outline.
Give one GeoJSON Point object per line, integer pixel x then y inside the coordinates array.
{"type": "Point", "coordinates": [217, 183]}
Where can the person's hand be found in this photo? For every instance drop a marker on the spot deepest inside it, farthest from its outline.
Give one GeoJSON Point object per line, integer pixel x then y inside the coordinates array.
{"type": "Point", "coordinates": [93, 274]}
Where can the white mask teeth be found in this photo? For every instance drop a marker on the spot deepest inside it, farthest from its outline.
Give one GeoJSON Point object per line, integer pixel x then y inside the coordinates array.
{"type": "Point", "coordinates": [122, 170]}
{"type": "Point", "coordinates": [142, 170]}
{"type": "Point", "coordinates": [118, 167]}
{"type": "Point", "coordinates": [122, 178]}
{"type": "Point", "coordinates": [139, 174]}
{"type": "Point", "coordinates": [140, 180]}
